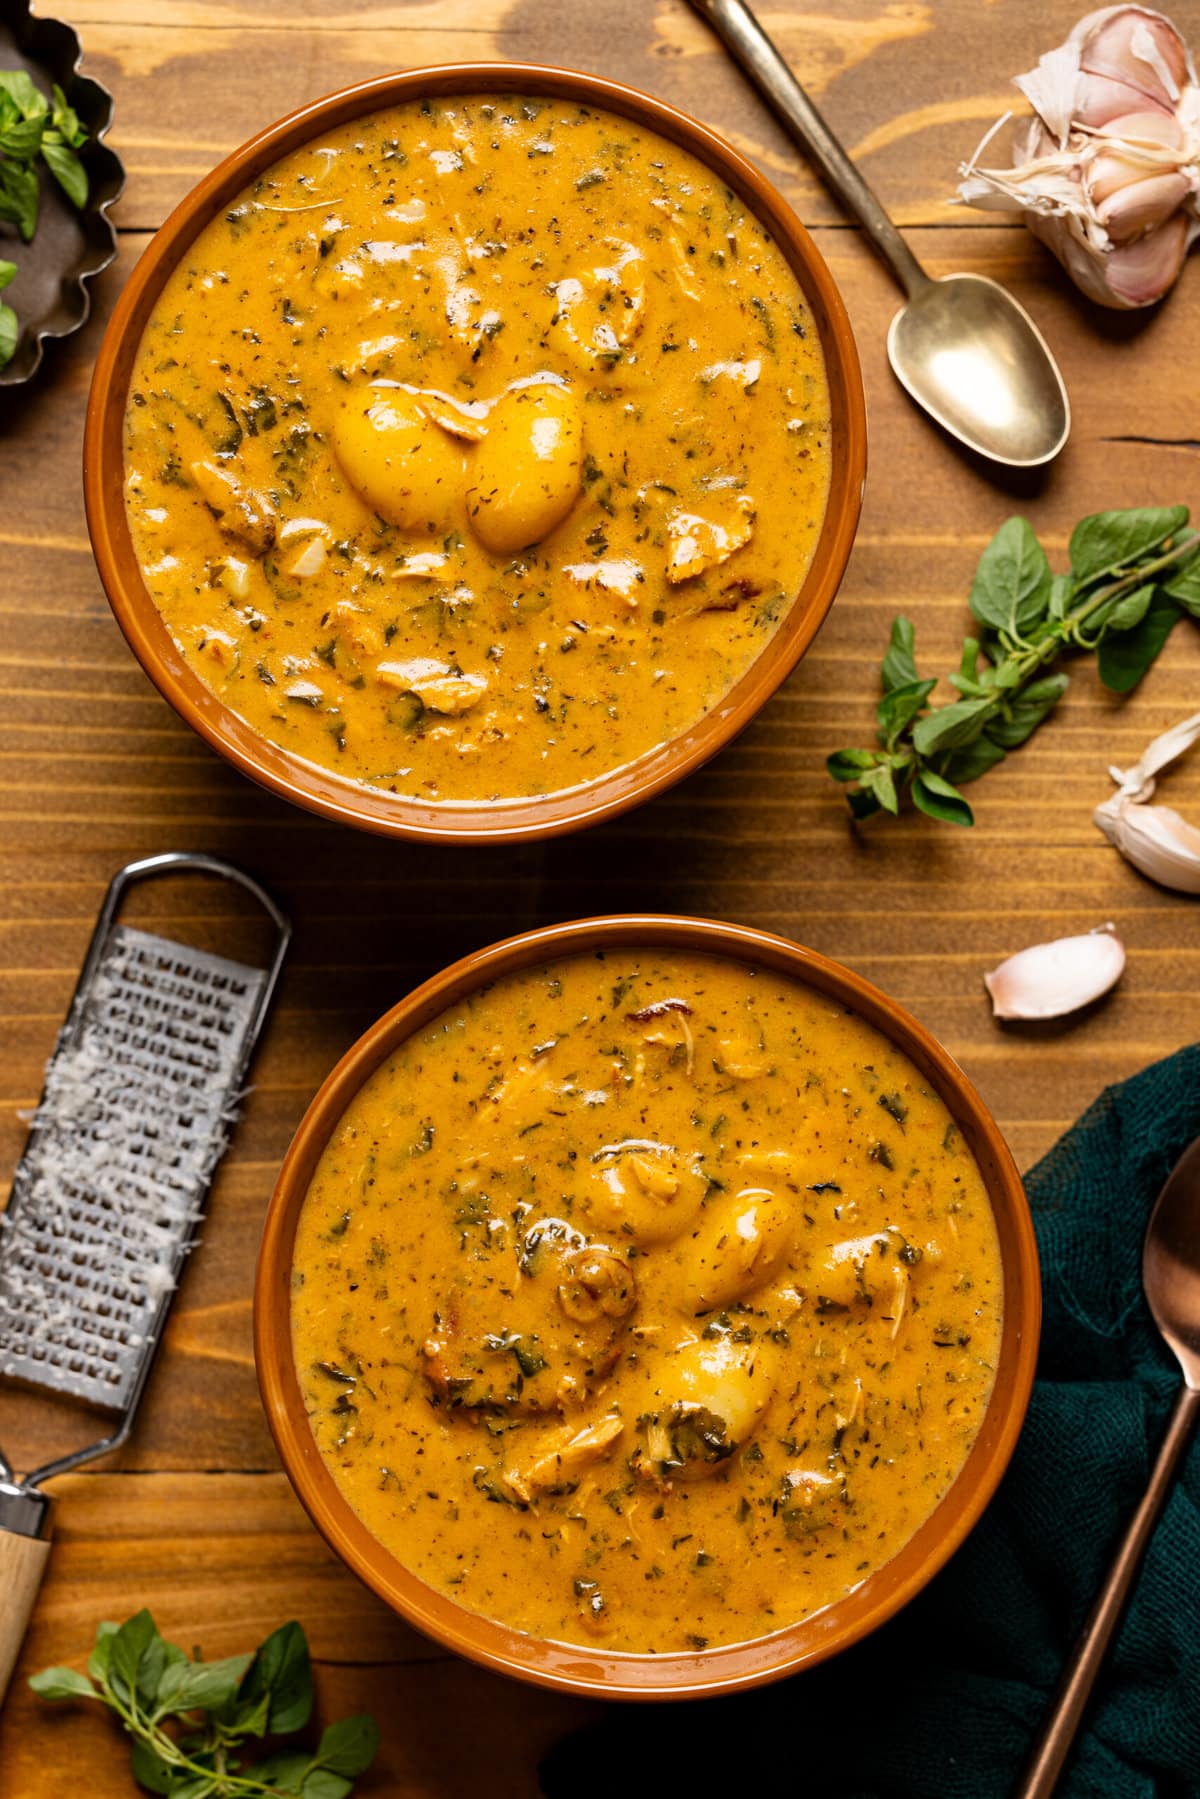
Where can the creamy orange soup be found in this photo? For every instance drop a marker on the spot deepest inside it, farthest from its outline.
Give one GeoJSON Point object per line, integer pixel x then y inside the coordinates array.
{"type": "Point", "coordinates": [478, 447]}
{"type": "Point", "coordinates": [646, 1299]}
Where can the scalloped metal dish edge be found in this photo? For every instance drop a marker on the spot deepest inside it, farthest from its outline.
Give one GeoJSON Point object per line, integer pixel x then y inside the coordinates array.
{"type": "Point", "coordinates": [56, 47]}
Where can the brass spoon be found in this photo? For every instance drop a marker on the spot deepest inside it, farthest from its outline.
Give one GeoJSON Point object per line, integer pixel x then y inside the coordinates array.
{"type": "Point", "coordinates": [963, 347]}
{"type": "Point", "coordinates": [1171, 1278]}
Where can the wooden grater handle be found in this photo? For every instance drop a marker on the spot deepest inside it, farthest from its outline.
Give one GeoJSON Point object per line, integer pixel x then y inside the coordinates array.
{"type": "Point", "coordinates": [22, 1565]}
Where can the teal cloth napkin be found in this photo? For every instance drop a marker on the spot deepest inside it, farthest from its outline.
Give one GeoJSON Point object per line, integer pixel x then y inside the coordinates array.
{"type": "Point", "coordinates": [944, 1702]}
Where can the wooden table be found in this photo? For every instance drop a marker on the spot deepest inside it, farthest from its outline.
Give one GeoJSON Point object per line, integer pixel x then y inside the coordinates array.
{"type": "Point", "coordinates": [195, 1519]}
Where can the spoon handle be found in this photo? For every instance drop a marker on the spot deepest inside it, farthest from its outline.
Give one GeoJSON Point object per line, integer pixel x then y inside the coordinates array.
{"type": "Point", "coordinates": [1058, 1733]}
{"type": "Point", "coordinates": [749, 44]}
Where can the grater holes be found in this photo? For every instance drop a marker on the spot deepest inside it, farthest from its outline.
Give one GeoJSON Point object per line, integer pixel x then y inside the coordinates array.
{"type": "Point", "coordinates": [134, 1118]}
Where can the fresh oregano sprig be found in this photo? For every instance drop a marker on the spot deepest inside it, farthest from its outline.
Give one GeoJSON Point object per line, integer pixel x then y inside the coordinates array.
{"type": "Point", "coordinates": [190, 1720]}
{"type": "Point", "coordinates": [32, 126]}
{"type": "Point", "coordinates": [1133, 576]}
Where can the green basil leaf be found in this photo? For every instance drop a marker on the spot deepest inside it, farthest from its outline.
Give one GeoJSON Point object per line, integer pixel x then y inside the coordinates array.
{"type": "Point", "coordinates": [202, 1686]}
{"type": "Point", "coordinates": [1006, 676]}
{"type": "Point", "coordinates": [950, 726]}
{"type": "Point", "coordinates": [1062, 587]}
{"type": "Point", "coordinates": [282, 1668]}
{"type": "Point", "coordinates": [938, 799]}
{"type": "Point", "coordinates": [101, 1656]}
{"type": "Point", "coordinates": [67, 170]}
{"type": "Point", "coordinates": [8, 271]}
{"type": "Point", "coordinates": [1106, 540]}
{"type": "Point", "coordinates": [1184, 586]}
{"type": "Point", "coordinates": [848, 765]}
{"type": "Point", "coordinates": [1124, 658]}
{"type": "Point", "coordinates": [129, 1647]}
{"type": "Point", "coordinates": [899, 666]}
{"type": "Point", "coordinates": [972, 760]}
{"type": "Point", "coordinates": [285, 1771]}
{"type": "Point", "coordinates": [1022, 715]}
{"type": "Point", "coordinates": [19, 197]}
{"type": "Point", "coordinates": [150, 1672]}
{"type": "Point", "coordinates": [150, 1770]}
{"type": "Point", "coordinates": [323, 1783]}
{"type": "Point", "coordinates": [64, 118]}
{"type": "Point", "coordinates": [22, 138]}
{"type": "Point", "coordinates": [898, 707]}
{"type": "Point", "coordinates": [350, 1746]}
{"type": "Point", "coordinates": [10, 331]}
{"type": "Point", "coordinates": [1127, 611]}
{"type": "Point", "coordinates": [29, 101]}
{"type": "Point", "coordinates": [880, 783]}
{"type": "Point", "coordinates": [62, 1683]}
{"type": "Point", "coordinates": [249, 1718]}
{"type": "Point", "coordinates": [1011, 589]}
{"type": "Point", "coordinates": [195, 1786]}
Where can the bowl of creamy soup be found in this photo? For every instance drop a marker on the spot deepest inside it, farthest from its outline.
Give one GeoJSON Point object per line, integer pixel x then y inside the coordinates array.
{"type": "Point", "coordinates": [646, 1306]}
{"type": "Point", "coordinates": [475, 450]}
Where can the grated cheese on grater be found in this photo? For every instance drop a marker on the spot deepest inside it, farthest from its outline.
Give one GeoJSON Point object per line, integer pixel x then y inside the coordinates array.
{"type": "Point", "coordinates": [135, 1115]}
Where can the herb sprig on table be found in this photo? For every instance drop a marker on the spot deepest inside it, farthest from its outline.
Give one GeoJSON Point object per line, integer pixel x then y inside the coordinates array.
{"type": "Point", "coordinates": [190, 1719]}
{"type": "Point", "coordinates": [32, 126]}
{"type": "Point", "coordinates": [1134, 574]}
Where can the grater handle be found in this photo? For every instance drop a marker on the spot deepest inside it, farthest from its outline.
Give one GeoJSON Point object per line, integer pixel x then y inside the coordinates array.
{"type": "Point", "coordinates": [22, 1565]}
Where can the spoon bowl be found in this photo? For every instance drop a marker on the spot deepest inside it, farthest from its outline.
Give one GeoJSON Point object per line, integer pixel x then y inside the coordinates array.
{"type": "Point", "coordinates": [974, 359]}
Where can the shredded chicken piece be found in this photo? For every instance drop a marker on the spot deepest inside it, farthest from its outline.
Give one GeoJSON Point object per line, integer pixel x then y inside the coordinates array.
{"type": "Point", "coordinates": [435, 684]}
{"type": "Point", "coordinates": [241, 511]}
{"type": "Point", "coordinates": [699, 543]}
{"type": "Point", "coordinates": [561, 1457]}
{"type": "Point", "coordinates": [599, 313]}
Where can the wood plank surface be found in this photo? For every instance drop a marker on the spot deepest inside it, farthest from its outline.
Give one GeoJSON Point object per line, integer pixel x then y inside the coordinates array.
{"type": "Point", "coordinates": [194, 1517]}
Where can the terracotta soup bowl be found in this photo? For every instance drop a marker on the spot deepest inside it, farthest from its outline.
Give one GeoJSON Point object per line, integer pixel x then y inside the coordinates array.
{"type": "Point", "coordinates": [601, 1670]}
{"type": "Point", "coordinates": [376, 809]}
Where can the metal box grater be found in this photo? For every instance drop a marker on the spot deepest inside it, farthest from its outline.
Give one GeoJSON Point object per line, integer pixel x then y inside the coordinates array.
{"type": "Point", "coordinates": [139, 1102]}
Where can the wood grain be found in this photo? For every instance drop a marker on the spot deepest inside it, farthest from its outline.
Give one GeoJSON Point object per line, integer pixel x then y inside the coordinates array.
{"type": "Point", "coordinates": [95, 769]}
{"type": "Point", "coordinates": [220, 1561]}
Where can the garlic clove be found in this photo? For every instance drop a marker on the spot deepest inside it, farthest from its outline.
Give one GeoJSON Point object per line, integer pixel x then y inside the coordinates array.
{"type": "Point", "coordinates": [1159, 843]}
{"type": "Point", "coordinates": [1132, 44]}
{"type": "Point", "coordinates": [1049, 980]}
{"type": "Point", "coordinates": [1141, 206]}
{"type": "Point", "coordinates": [1101, 99]}
{"type": "Point", "coordinates": [1140, 273]}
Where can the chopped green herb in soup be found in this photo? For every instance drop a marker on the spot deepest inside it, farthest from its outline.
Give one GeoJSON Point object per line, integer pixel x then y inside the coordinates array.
{"type": "Point", "coordinates": [478, 447]}
{"type": "Point", "coordinates": [648, 1299]}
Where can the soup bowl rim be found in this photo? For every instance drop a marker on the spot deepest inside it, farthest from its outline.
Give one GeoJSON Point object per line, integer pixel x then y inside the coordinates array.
{"type": "Point", "coordinates": [597, 1670]}
{"type": "Point", "coordinates": [322, 791]}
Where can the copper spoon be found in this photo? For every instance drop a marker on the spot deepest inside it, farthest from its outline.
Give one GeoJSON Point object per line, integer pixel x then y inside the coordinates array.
{"type": "Point", "coordinates": [962, 347]}
{"type": "Point", "coordinates": [1171, 1279]}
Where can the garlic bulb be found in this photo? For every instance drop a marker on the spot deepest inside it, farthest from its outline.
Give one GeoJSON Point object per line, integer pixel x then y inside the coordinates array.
{"type": "Point", "coordinates": [1108, 173]}
{"type": "Point", "coordinates": [1154, 838]}
{"type": "Point", "coordinates": [1051, 979]}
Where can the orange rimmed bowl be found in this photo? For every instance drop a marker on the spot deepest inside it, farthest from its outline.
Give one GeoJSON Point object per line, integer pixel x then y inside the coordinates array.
{"type": "Point", "coordinates": [607, 1672]}
{"type": "Point", "coordinates": [317, 789]}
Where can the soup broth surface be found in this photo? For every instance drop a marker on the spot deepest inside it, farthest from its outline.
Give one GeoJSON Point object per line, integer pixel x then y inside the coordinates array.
{"type": "Point", "coordinates": [646, 1299]}
{"type": "Point", "coordinates": [478, 447]}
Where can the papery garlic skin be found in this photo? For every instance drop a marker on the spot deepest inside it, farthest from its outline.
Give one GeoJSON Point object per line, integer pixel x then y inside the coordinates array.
{"type": "Point", "coordinates": [1107, 174]}
{"type": "Point", "coordinates": [1158, 842]}
{"type": "Point", "coordinates": [1048, 980]}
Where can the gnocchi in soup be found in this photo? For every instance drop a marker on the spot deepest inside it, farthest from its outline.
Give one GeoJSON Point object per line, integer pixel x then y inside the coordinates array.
{"type": "Point", "coordinates": [646, 1298]}
{"type": "Point", "coordinates": [478, 447]}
